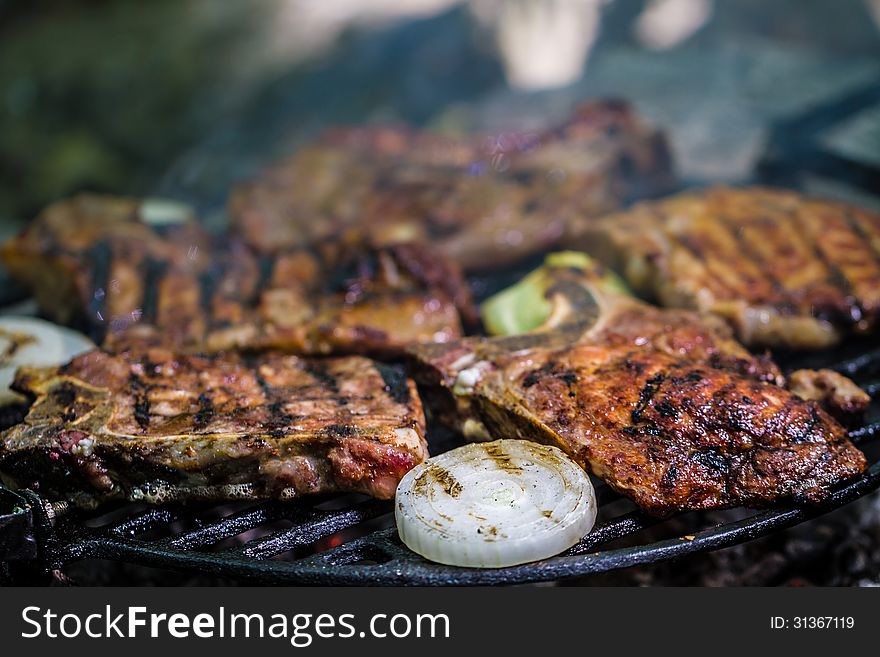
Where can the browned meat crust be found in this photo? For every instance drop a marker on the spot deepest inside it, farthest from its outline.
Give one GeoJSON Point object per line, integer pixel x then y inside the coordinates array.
{"type": "Point", "coordinates": [781, 268]}
{"type": "Point", "coordinates": [92, 261]}
{"type": "Point", "coordinates": [160, 426]}
{"type": "Point", "coordinates": [483, 202]}
{"type": "Point", "coordinates": [836, 393]}
{"type": "Point", "coordinates": [69, 256]}
{"type": "Point", "coordinates": [662, 404]}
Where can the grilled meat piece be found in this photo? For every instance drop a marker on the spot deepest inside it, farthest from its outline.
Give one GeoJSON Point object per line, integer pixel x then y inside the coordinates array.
{"type": "Point", "coordinates": [84, 258]}
{"type": "Point", "coordinates": [781, 268]}
{"type": "Point", "coordinates": [482, 202]}
{"type": "Point", "coordinates": [94, 262]}
{"type": "Point", "coordinates": [161, 426]}
{"type": "Point", "coordinates": [836, 393]}
{"type": "Point", "coordinates": [664, 405]}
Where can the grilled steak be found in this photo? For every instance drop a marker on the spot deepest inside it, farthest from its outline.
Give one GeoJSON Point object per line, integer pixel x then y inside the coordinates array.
{"type": "Point", "coordinates": [782, 269]}
{"type": "Point", "coordinates": [482, 202]}
{"type": "Point", "coordinates": [95, 262]}
{"type": "Point", "coordinates": [664, 405]}
{"type": "Point", "coordinates": [159, 426]}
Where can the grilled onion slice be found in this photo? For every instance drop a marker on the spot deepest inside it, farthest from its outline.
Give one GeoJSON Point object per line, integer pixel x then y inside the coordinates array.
{"type": "Point", "coordinates": [488, 505]}
{"type": "Point", "coordinates": [36, 343]}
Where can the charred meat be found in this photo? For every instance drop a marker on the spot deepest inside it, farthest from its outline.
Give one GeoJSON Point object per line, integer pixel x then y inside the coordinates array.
{"type": "Point", "coordinates": [96, 262]}
{"type": "Point", "coordinates": [838, 394]}
{"type": "Point", "coordinates": [160, 426]}
{"type": "Point", "coordinates": [664, 405]}
{"type": "Point", "coordinates": [483, 202]}
{"type": "Point", "coordinates": [782, 269]}
{"type": "Point", "coordinates": [84, 258]}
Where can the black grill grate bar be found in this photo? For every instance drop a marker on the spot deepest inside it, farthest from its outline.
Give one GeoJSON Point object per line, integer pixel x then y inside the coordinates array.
{"type": "Point", "coordinates": [611, 531]}
{"type": "Point", "coordinates": [144, 522]}
{"type": "Point", "coordinates": [310, 527]}
{"type": "Point", "coordinates": [867, 363]}
{"type": "Point", "coordinates": [230, 526]}
{"type": "Point", "coordinates": [867, 432]}
{"type": "Point", "coordinates": [399, 566]}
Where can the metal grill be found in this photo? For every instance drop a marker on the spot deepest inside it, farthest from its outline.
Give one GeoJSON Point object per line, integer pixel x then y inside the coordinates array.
{"type": "Point", "coordinates": [351, 540]}
{"type": "Point", "coordinates": [347, 540]}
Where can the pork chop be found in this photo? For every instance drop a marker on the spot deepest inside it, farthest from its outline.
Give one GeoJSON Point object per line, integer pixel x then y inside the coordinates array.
{"type": "Point", "coordinates": [483, 202]}
{"type": "Point", "coordinates": [783, 269]}
{"type": "Point", "coordinates": [664, 405]}
{"type": "Point", "coordinates": [97, 262]}
{"type": "Point", "coordinates": [159, 426]}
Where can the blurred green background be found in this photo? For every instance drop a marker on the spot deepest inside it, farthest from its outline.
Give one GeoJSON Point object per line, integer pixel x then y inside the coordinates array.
{"type": "Point", "coordinates": [183, 97]}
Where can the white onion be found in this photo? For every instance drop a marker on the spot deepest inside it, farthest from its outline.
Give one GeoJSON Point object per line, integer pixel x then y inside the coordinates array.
{"type": "Point", "coordinates": [488, 505]}
{"type": "Point", "coordinates": [37, 343]}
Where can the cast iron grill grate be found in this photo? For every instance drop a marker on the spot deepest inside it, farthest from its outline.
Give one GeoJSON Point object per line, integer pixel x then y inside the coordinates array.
{"type": "Point", "coordinates": [347, 540]}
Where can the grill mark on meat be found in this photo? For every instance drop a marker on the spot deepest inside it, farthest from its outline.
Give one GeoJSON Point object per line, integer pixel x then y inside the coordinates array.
{"type": "Point", "coordinates": [765, 268]}
{"type": "Point", "coordinates": [666, 409]}
{"type": "Point", "coordinates": [856, 257]}
{"type": "Point", "coordinates": [669, 477]}
{"type": "Point", "coordinates": [837, 277]}
{"type": "Point", "coordinates": [395, 382]}
{"type": "Point", "coordinates": [747, 278]}
{"type": "Point", "coordinates": [646, 394]}
{"type": "Point", "coordinates": [154, 272]}
{"type": "Point", "coordinates": [205, 413]}
{"type": "Point", "coordinates": [342, 276]}
{"type": "Point", "coordinates": [712, 459]}
{"type": "Point", "coordinates": [208, 282]}
{"type": "Point", "coordinates": [869, 225]}
{"type": "Point", "coordinates": [535, 376]}
{"type": "Point", "coordinates": [141, 401]}
{"type": "Point", "coordinates": [340, 431]}
{"type": "Point", "coordinates": [277, 418]}
{"type": "Point", "coordinates": [863, 236]}
{"type": "Point", "coordinates": [790, 237]}
{"type": "Point", "coordinates": [320, 372]}
{"type": "Point", "coordinates": [713, 280]}
{"type": "Point", "coordinates": [801, 436]}
{"type": "Point", "coordinates": [569, 377]}
{"type": "Point", "coordinates": [101, 259]}
{"type": "Point", "coordinates": [265, 270]}
{"type": "Point", "coordinates": [365, 267]}
{"type": "Point", "coordinates": [837, 280]}
{"type": "Point", "coordinates": [873, 247]}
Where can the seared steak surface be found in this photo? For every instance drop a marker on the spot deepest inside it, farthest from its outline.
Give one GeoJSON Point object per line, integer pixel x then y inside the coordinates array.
{"type": "Point", "coordinates": [781, 268]}
{"type": "Point", "coordinates": [95, 262]}
{"type": "Point", "coordinates": [483, 202]}
{"type": "Point", "coordinates": [161, 426]}
{"type": "Point", "coordinates": [664, 405]}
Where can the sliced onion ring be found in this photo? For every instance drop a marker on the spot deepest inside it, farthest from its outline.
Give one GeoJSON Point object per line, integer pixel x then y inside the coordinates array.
{"type": "Point", "coordinates": [35, 343]}
{"type": "Point", "coordinates": [495, 504]}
